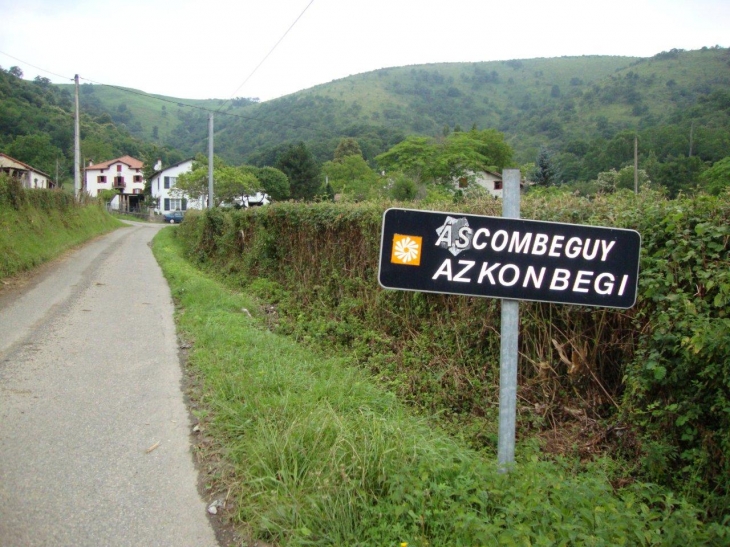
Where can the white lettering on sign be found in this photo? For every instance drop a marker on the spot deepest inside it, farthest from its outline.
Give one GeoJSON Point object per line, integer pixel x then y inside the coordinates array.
{"type": "Point", "coordinates": [509, 275]}
{"type": "Point", "coordinates": [456, 236]}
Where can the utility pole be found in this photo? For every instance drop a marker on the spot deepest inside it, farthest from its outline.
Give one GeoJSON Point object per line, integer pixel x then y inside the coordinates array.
{"type": "Point", "coordinates": [210, 160]}
{"type": "Point", "coordinates": [636, 164]}
{"type": "Point", "coordinates": [77, 145]}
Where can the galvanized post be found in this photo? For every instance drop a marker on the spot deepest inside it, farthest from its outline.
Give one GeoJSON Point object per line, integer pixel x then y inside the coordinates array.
{"type": "Point", "coordinates": [210, 161]}
{"type": "Point", "coordinates": [509, 342]}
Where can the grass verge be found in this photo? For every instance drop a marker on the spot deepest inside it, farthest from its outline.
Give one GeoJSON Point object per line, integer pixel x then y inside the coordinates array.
{"type": "Point", "coordinates": [314, 453]}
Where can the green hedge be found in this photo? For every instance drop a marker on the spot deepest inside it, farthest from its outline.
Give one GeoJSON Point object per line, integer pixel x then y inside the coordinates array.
{"type": "Point", "coordinates": [651, 384]}
{"type": "Point", "coordinates": [37, 225]}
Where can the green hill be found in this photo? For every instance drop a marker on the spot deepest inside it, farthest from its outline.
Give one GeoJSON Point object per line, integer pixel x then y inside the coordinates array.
{"type": "Point", "coordinates": [584, 110]}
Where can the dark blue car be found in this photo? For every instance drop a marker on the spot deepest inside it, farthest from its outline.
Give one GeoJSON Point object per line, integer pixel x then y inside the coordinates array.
{"type": "Point", "coordinates": [174, 217]}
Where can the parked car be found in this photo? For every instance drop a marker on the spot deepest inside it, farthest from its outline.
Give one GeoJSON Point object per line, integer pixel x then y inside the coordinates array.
{"type": "Point", "coordinates": [174, 217]}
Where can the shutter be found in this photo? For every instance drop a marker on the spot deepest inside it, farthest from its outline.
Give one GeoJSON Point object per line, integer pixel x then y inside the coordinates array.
{"type": "Point", "coordinates": [184, 204]}
{"type": "Point", "coordinates": [167, 182]}
{"type": "Point", "coordinates": [167, 204]}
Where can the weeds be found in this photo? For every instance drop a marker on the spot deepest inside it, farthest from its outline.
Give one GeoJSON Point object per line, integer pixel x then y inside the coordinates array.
{"type": "Point", "coordinates": [317, 454]}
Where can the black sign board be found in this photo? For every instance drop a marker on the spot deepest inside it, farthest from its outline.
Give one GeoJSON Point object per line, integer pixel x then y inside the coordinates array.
{"type": "Point", "coordinates": [517, 259]}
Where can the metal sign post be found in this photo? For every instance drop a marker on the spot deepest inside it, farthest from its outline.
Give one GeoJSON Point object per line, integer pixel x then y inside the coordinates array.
{"type": "Point", "coordinates": [510, 336]}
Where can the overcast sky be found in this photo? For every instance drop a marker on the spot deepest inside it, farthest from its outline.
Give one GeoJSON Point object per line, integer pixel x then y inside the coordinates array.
{"type": "Point", "coordinates": [208, 49]}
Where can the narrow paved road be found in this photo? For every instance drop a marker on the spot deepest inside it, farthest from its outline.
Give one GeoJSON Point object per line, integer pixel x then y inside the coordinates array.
{"type": "Point", "coordinates": [94, 432]}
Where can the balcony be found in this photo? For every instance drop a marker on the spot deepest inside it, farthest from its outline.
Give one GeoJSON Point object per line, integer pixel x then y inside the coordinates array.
{"type": "Point", "coordinates": [119, 182]}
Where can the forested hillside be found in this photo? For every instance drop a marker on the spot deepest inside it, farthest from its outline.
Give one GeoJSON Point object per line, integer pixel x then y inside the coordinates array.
{"type": "Point", "coordinates": [581, 114]}
{"type": "Point", "coordinates": [37, 127]}
{"type": "Point", "coordinates": [583, 111]}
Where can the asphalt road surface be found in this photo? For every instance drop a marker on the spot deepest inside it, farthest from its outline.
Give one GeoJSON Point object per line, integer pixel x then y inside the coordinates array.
{"type": "Point", "coordinates": [94, 432]}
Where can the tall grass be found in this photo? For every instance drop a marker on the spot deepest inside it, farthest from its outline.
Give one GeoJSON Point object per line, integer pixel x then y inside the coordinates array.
{"type": "Point", "coordinates": [312, 452]}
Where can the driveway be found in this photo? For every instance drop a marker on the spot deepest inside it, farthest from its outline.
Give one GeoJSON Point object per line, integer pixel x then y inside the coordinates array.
{"type": "Point", "coordinates": [94, 432]}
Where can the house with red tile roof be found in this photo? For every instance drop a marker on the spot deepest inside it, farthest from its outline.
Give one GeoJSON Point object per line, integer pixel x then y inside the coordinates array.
{"type": "Point", "coordinates": [124, 175]}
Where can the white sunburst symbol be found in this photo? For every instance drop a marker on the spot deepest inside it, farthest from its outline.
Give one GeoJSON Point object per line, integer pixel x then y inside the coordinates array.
{"type": "Point", "coordinates": [406, 250]}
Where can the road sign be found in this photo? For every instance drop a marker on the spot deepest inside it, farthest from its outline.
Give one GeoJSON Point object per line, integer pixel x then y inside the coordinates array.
{"type": "Point", "coordinates": [515, 259]}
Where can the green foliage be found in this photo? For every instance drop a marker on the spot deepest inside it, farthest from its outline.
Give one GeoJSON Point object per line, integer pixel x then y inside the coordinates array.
{"type": "Point", "coordinates": [233, 184]}
{"type": "Point", "coordinates": [440, 352]}
{"type": "Point", "coordinates": [459, 154]}
{"type": "Point", "coordinates": [36, 126]}
{"type": "Point", "coordinates": [273, 182]}
{"type": "Point", "coordinates": [678, 389]}
{"type": "Point", "coordinates": [546, 170]}
{"type": "Point", "coordinates": [37, 225]}
{"type": "Point", "coordinates": [402, 188]}
{"type": "Point", "coordinates": [314, 453]}
{"type": "Point", "coordinates": [297, 163]}
{"type": "Point", "coordinates": [717, 178]}
{"type": "Point", "coordinates": [613, 180]}
{"type": "Point", "coordinates": [353, 176]}
{"type": "Point", "coordinates": [347, 147]}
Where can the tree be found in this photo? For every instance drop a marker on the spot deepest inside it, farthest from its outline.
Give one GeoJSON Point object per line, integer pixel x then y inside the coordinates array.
{"type": "Point", "coordinates": [459, 154]}
{"type": "Point", "coordinates": [194, 184]}
{"type": "Point", "coordinates": [15, 71]}
{"type": "Point", "coordinates": [298, 164]}
{"type": "Point", "coordinates": [35, 150]}
{"type": "Point", "coordinates": [233, 184]}
{"type": "Point", "coordinates": [413, 156]}
{"type": "Point", "coordinates": [717, 178]}
{"type": "Point", "coordinates": [351, 175]}
{"type": "Point", "coordinates": [273, 182]}
{"type": "Point", "coordinates": [43, 82]}
{"type": "Point", "coordinates": [403, 188]}
{"type": "Point", "coordinates": [546, 171]}
{"type": "Point", "coordinates": [347, 147]}
{"type": "Point", "coordinates": [610, 181]}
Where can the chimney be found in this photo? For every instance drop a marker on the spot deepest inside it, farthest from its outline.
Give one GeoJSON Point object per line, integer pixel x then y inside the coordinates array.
{"type": "Point", "coordinates": [158, 165]}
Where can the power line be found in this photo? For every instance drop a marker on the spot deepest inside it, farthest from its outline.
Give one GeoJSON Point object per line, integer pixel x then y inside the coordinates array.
{"type": "Point", "coordinates": [36, 67]}
{"type": "Point", "coordinates": [272, 49]}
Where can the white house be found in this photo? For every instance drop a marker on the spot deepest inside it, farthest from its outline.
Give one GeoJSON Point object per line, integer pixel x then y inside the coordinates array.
{"type": "Point", "coordinates": [29, 177]}
{"type": "Point", "coordinates": [121, 174]}
{"type": "Point", "coordinates": [162, 184]}
{"type": "Point", "coordinates": [490, 181]}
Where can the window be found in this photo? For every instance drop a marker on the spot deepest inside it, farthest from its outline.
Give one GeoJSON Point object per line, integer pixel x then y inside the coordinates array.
{"type": "Point", "coordinates": [119, 168]}
{"type": "Point", "coordinates": [497, 184]}
{"type": "Point", "coordinates": [101, 179]}
{"type": "Point", "coordinates": [137, 178]}
{"type": "Point", "coordinates": [170, 182]}
{"type": "Point", "coordinates": [175, 204]}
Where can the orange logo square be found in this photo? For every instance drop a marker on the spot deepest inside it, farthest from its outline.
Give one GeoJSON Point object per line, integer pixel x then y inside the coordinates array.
{"type": "Point", "coordinates": [406, 250]}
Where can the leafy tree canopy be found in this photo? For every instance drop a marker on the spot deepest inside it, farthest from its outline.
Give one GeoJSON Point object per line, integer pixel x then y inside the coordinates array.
{"type": "Point", "coordinates": [347, 147]}
{"type": "Point", "coordinates": [460, 153]}
{"type": "Point", "coordinates": [298, 164]}
{"type": "Point", "coordinates": [351, 175]}
{"type": "Point", "coordinates": [717, 178]}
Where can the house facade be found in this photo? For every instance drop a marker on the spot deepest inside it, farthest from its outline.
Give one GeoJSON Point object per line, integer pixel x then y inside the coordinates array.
{"type": "Point", "coordinates": [162, 186]}
{"type": "Point", "coordinates": [123, 175]}
{"type": "Point", "coordinates": [29, 177]}
{"type": "Point", "coordinates": [490, 181]}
